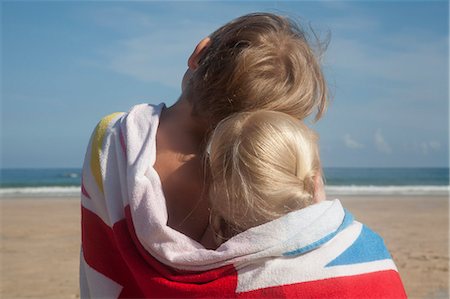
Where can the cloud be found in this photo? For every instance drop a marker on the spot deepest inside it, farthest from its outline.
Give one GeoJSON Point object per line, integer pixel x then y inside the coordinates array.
{"type": "Point", "coordinates": [351, 143]}
{"type": "Point", "coordinates": [418, 60]}
{"type": "Point", "coordinates": [435, 145]}
{"type": "Point", "coordinates": [154, 57]}
{"type": "Point", "coordinates": [346, 24]}
{"type": "Point", "coordinates": [381, 144]}
{"type": "Point", "coordinates": [428, 146]}
{"type": "Point", "coordinates": [149, 49]}
{"type": "Point", "coordinates": [122, 19]}
{"type": "Point", "coordinates": [424, 148]}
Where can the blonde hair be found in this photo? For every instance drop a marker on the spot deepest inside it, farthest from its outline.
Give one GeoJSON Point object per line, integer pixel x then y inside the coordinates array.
{"type": "Point", "coordinates": [262, 166]}
{"type": "Point", "coordinates": [258, 61]}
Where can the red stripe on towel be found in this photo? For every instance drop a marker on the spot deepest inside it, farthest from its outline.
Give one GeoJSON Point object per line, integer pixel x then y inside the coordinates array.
{"type": "Point", "coordinates": [117, 253]}
{"type": "Point", "coordinates": [381, 284]}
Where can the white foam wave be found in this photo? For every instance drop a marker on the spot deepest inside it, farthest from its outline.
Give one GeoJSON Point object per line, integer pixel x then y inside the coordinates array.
{"type": "Point", "coordinates": [40, 192]}
{"type": "Point", "coordinates": [388, 190]}
{"type": "Point", "coordinates": [330, 190]}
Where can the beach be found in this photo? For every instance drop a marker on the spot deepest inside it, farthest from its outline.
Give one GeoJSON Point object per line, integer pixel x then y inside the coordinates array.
{"type": "Point", "coordinates": [40, 243]}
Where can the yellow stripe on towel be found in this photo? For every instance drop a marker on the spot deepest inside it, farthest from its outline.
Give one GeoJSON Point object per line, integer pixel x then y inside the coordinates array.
{"type": "Point", "coordinates": [96, 149]}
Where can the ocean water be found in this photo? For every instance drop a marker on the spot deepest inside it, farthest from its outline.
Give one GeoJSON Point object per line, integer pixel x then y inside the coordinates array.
{"type": "Point", "coordinates": [40, 182]}
{"type": "Point", "coordinates": [339, 181]}
{"type": "Point", "coordinates": [387, 181]}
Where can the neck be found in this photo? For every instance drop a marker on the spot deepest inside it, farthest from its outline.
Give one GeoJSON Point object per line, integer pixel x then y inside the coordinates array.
{"type": "Point", "coordinates": [179, 163]}
{"type": "Point", "coordinates": [180, 116]}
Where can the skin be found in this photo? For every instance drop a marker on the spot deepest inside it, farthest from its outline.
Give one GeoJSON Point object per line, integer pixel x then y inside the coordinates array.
{"type": "Point", "coordinates": [179, 157]}
{"type": "Point", "coordinates": [180, 143]}
{"type": "Point", "coordinates": [179, 161]}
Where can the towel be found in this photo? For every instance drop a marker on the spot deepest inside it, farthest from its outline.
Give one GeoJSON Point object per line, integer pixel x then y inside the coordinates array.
{"type": "Point", "coordinates": [128, 251]}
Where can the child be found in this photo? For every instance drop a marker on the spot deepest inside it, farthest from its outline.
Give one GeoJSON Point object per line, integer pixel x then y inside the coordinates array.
{"type": "Point", "coordinates": [263, 166]}
{"type": "Point", "coordinates": [257, 61]}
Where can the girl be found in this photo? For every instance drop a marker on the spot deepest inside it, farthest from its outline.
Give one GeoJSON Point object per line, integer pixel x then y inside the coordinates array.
{"type": "Point", "coordinates": [263, 166]}
{"type": "Point", "coordinates": [263, 207]}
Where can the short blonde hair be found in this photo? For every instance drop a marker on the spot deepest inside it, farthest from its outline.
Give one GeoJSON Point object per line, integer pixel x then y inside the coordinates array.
{"type": "Point", "coordinates": [258, 61]}
{"type": "Point", "coordinates": [262, 166]}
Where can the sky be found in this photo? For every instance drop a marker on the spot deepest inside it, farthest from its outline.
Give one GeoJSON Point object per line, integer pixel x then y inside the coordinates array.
{"type": "Point", "coordinates": [65, 65]}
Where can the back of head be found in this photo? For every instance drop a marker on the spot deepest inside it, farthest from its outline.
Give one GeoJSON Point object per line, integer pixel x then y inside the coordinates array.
{"type": "Point", "coordinates": [258, 61]}
{"type": "Point", "coordinates": [263, 166]}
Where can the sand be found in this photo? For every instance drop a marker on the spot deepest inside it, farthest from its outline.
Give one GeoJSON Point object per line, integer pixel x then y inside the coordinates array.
{"type": "Point", "coordinates": [416, 232]}
{"type": "Point", "coordinates": [40, 241]}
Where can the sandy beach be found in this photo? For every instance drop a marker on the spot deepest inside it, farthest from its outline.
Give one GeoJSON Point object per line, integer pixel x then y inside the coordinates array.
{"type": "Point", "coordinates": [40, 242]}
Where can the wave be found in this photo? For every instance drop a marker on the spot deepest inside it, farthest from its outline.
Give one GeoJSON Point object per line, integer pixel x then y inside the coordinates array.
{"type": "Point", "coordinates": [388, 190]}
{"type": "Point", "coordinates": [72, 175]}
{"type": "Point", "coordinates": [40, 192]}
{"type": "Point", "coordinates": [74, 191]}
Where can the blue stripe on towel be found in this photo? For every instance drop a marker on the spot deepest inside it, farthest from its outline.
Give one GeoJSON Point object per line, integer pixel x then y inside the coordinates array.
{"type": "Point", "coordinates": [367, 247]}
{"type": "Point", "coordinates": [348, 219]}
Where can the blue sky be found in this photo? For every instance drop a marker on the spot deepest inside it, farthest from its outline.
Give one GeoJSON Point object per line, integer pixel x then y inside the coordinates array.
{"type": "Point", "coordinates": [67, 64]}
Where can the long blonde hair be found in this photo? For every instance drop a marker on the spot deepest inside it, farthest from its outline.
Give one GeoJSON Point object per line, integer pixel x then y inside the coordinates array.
{"type": "Point", "coordinates": [262, 166]}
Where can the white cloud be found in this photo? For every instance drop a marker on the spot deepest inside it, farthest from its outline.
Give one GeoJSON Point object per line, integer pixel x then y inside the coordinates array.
{"type": "Point", "coordinates": [351, 143]}
{"type": "Point", "coordinates": [415, 63]}
{"type": "Point", "coordinates": [150, 49]}
{"type": "Point", "coordinates": [347, 24]}
{"type": "Point", "coordinates": [428, 146]}
{"type": "Point", "coordinates": [381, 144]}
{"type": "Point", "coordinates": [157, 57]}
{"type": "Point", "coordinates": [424, 148]}
{"type": "Point", "coordinates": [435, 145]}
{"type": "Point", "coordinates": [122, 19]}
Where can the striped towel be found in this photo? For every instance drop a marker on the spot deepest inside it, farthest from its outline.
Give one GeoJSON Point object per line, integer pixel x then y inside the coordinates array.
{"type": "Point", "coordinates": [128, 251]}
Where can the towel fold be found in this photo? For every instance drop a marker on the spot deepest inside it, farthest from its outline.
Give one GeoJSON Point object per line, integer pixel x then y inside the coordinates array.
{"type": "Point", "coordinates": [128, 251]}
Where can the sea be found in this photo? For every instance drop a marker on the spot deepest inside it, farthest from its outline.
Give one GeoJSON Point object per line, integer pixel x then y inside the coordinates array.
{"type": "Point", "coordinates": [65, 182]}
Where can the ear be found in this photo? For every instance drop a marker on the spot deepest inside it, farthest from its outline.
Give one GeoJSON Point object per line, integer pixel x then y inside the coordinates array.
{"type": "Point", "coordinates": [195, 56]}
